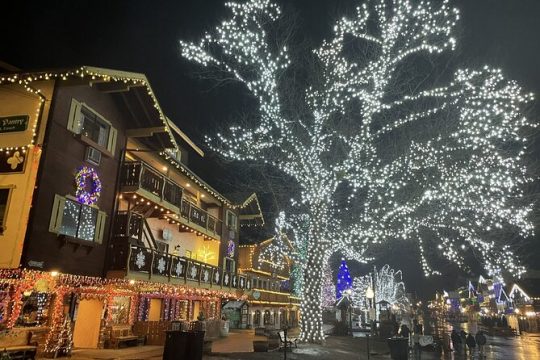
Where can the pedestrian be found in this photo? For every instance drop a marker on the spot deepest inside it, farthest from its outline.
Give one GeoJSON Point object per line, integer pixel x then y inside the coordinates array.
{"type": "Point", "coordinates": [405, 332]}
{"type": "Point", "coordinates": [471, 344]}
{"type": "Point", "coordinates": [481, 341]}
{"type": "Point", "coordinates": [456, 341]}
{"type": "Point", "coordinates": [463, 336]}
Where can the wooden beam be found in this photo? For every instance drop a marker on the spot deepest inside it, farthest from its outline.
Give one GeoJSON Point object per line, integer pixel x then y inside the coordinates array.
{"type": "Point", "coordinates": [145, 132]}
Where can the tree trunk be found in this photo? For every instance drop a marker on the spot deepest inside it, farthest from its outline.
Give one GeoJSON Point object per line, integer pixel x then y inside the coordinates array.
{"type": "Point", "coordinates": [311, 312]}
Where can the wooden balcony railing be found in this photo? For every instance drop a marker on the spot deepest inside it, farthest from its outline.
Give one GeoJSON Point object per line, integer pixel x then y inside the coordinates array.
{"type": "Point", "coordinates": [138, 175]}
{"type": "Point", "coordinates": [163, 267]}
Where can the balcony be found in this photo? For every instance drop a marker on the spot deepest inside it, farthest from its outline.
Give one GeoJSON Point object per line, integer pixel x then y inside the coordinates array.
{"type": "Point", "coordinates": [149, 264]}
{"type": "Point", "coordinates": [139, 178]}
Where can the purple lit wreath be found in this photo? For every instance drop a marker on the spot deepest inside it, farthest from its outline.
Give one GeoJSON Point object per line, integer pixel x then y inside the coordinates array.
{"type": "Point", "coordinates": [230, 248]}
{"type": "Point", "coordinates": [81, 180]}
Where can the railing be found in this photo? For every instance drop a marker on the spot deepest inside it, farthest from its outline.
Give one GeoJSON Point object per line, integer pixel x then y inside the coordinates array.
{"type": "Point", "coordinates": [137, 174]}
{"type": "Point", "coordinates": [134, 226]}
{"type": "Point", "coordinates": [161, 266]}
{"type": "Point", "coordinates": [140, 175]}
{"type": "Point", "coordinates": [198, 216]}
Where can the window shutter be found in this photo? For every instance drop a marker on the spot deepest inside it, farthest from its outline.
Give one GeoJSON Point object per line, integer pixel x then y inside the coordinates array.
{"type": "Point", "coordinates": [112, 140]}
{"type": "Point", "coordinates": [74, 121]}
{"type": "Point", "coordinates": [57, 213]}
{"type": "Point", "coordinates": [100, 227]}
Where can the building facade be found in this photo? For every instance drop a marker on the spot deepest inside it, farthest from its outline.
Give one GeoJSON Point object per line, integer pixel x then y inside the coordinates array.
{"type": "Point", "coordinates": [271, 303]}
{"type": "Point", "coordinates": [102, 219]}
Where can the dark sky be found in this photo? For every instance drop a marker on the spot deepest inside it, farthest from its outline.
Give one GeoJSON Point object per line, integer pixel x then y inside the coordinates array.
{"type": "Point", "coordinates": [142, 36]}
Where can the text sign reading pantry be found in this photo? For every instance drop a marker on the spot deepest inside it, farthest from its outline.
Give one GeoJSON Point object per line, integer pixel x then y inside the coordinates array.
{"type": "Point", "coordinates": [13, 123]}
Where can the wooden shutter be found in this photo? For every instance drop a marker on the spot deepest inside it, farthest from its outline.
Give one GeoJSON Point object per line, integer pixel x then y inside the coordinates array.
{"type": "Point", "coordinates": [111, 146]}
{"type": "Point", "coordinates": [100, 227]}
{"type": "Point", "coordinates": [74, 122]}
{"type": "Point", "coordinates": [57, 213]}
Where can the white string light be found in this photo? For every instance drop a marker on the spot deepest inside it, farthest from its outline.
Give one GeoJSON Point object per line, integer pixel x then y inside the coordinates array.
{"type": "Point", "coordinates": [459, 179]}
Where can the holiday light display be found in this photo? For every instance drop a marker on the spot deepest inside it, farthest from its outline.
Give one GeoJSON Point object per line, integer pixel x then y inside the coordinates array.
{"type": "Point", "coordinates": [328, 288]}
{"type": "Point", "coordinates": [389, 287]}
{"type": "Point", "coordinates": [84, 196]}
{"type": "Point", "coordinates": [441, 165]}
{"type": "Point", "coordinates": [360, 287]}
{"type": "Point", "coordinates": [344, 280]}
{"type": "Point", "coordinates": [277, 253]}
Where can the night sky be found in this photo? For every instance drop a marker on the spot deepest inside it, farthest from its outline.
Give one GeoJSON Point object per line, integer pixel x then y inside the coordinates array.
{"type": "Point", "coordinates": [142, 36]}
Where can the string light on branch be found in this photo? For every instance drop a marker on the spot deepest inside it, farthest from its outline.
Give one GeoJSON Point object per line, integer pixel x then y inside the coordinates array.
{"type": "Point", "coordinates": [439, 165]}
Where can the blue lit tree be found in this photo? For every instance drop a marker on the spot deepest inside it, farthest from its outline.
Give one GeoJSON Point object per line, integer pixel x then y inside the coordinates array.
{"type": "Point", "coordinates": [344, 281]}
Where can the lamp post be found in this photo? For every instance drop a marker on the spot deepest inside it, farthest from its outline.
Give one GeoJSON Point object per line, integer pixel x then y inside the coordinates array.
{"type": "Point", "coordinates": [370, 294]}
{"type": "Point", "coordinates": [348, 293]}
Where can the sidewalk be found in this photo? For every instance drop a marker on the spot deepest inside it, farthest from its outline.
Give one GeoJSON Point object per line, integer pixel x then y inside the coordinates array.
{"type": "Point", "coordinates": [238, 346]}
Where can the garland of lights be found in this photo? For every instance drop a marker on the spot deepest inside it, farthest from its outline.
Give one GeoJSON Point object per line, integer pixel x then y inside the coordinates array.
{"type": "Point", "coordinates": [457, 185]}
{"type": "Point", "coordinates": [329, 288]}
{"type": "Point", "coordinates": [81, 179]}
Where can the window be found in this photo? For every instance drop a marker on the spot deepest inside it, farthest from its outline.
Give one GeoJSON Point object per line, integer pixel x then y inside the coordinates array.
{"type": "Point", "coordinates": [267, 319]}
{"type": "Point", "coordinates": [232, 220]}
{"type": "Point", "coordinates": [94, 128]}
{"type": "Point", "coordinates": [87, 122]}
{"type": "Point", "coordinates": [229, 265]}
{"type": "Point", "coordinates": [4, 202]}
{"type": "Point", "coordinates": [76, 220]}
{"type": "Point", "coordinates": [189, 254]}
{"type": "Point", "coordinates": [257, 318]}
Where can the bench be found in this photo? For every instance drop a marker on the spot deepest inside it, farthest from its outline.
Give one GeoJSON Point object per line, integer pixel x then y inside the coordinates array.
{"type": "Point", "coordinates": [23, 352]}
{"type": "Point", "coordinates": [290, 340]}
{"type": "Point", "coordinates": [122, 334]}
{"type": "Point", "coordinates": [16, 343]}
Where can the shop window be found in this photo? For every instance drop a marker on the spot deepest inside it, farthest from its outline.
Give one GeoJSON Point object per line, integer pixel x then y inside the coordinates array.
{"type": "Point", "coordinates": [232, 220]}
{"type": "Point", "coordinates": [87, 122]}
{"type": "Point", "coordinates": [182, 312]}
{"type": "Point", "coordinates": [120, 310]}
{"type": "Point", "coordinates": [257, 318]}
{"type": "Point", "coordinates": [244, 314]}
{"type": "Point", "coordinates": [4, 204]}
{"type": "Point", "coordinates": [267, 318]}
{"type": "Point", "coordinates": [76, 220]}
{"type": "Point", "coordinates": [34, 309]}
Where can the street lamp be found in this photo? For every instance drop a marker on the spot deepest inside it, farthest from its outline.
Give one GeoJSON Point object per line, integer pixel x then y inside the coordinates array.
{"type": "Point", "coordinates": [348, 293]}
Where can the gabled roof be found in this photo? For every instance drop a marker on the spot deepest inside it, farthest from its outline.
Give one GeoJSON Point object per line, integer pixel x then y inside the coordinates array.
{"type": "Point", "coordinates": [161, 128]}
{"type": "Point", "coordinates": [529, 288]}
{"type": "Point", "coordinates": [111, 81]}
{"type": "Point", "coordinates": [233, 305]}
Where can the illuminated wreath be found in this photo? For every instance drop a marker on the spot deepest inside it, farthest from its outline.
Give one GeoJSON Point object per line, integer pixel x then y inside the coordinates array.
{"type": "Point", "coordinates": [81, 180]}
{"type": "Point", "coordinates": [230, 248]}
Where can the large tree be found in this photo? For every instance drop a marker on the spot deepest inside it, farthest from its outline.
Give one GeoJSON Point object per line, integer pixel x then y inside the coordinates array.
{"type": "Point", "coordinates": [379, 153]}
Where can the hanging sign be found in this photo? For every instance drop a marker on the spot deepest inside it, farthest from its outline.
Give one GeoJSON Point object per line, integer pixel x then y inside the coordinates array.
{"type": "Point", "coordinates": [15, 123]}
{"type": "Point", "coordinates": [12, 161]}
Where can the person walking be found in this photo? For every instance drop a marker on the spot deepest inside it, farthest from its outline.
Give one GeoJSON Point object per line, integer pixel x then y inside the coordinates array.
{"type": "Point", "coordinates": [471, 344]}
{"type": "Point", "coordinates": [463, 336]}
{"type": "Point", "coordinates": [481, 342]}
{"type": "Point", "coordinates": [456, 341]}
{"type": "Point", "coordinates": [405, 332]}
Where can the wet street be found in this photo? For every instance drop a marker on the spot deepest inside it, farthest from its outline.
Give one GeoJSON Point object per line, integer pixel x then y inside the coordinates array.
{"type": "Point", "coordinates": [524, 347]}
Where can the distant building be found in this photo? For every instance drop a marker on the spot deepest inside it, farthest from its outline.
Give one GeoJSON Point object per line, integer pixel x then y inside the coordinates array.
{"type": "Point", "coordinates": [271, 303]}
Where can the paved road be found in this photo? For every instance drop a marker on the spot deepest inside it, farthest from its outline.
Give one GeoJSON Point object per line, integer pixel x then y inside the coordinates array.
{"type": "Point", "coordinates": [526, 347]}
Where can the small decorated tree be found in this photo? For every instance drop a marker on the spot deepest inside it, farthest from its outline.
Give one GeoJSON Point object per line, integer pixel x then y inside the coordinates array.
{"type": "Point", "coordinates": [344, 281]}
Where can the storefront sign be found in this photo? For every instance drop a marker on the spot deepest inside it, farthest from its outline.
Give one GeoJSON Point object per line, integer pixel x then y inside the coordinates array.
{"type": "Point", "coordinates": [14, 123]}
